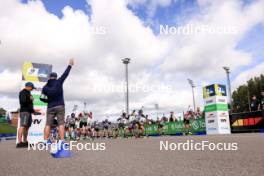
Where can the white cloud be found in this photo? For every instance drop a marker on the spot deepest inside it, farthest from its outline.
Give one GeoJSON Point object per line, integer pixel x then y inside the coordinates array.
{"type": "Point", "coordinates": [243, 77]}
{"type": "Point", "coordinates": [10, 81]}
{"type": "Point", "coordinates": [205, 53]}
{"type": "Point", "coordinates": [29, 32]}
{"type": "Point", "coordinates": [11, 104]}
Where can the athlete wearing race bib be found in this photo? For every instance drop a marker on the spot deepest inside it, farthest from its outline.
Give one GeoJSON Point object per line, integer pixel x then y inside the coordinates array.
{"type": "Point", "coordinates": [83, 120]}
{"type": "Point", "coordinates": [77, 128]}
{"type": "Point", "coordinates": [106, 125]}
{"type": "Point", "coordinates": [95, 127]}
{"type": "Point", "coordinates": [83, 124]}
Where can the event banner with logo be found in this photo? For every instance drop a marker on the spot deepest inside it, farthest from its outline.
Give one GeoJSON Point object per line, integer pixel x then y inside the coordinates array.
{"type": "Point", "coordinates": [216, 109]}
{"type": "Point", "coordinates": [247, 122]}
{"type": "Point", "coordinates": [174, 128]}
{"type": "Point", "coordinates": [38, 75]}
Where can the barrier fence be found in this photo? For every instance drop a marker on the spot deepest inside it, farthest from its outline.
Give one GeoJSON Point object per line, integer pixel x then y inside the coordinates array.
{"type": "Point", "coordinates": [240, 122]}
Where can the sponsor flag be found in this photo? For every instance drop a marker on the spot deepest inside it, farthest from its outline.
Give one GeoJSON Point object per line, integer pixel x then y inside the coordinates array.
{"type": "Point", "coordinates": [37, 74]}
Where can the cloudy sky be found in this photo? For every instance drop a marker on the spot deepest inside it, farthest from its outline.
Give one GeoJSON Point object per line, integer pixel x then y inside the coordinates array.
{"type": "Point", "coordinates": [168, 41]}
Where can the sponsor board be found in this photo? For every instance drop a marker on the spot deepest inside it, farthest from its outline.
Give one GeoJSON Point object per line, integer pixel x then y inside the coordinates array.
{"type": "Point", "coordinates": [217, 122]}
{"type": "Point", "coordinates": [216, 109]}
{"type": "Point", "coordinates": [210, 115]}
{"type": "Point", "coordinates": [223, 114]}
{"type": "Point", "coordinates": [37, 74]}
{"type": "Point", "coordinates": [224, 122]}
{"type": "Point", "coordinates": [36, 130]}
{"type": "Point", "coordinates": [211, 122]}
{"type": "Point", "coordinates": [214, 90]}
{"type": "Point", "coordinates": [215, 100]}
{"type": "Point", "coordinates": [211, 130]}
{"type": "Point", "coordinates": [172, 128]}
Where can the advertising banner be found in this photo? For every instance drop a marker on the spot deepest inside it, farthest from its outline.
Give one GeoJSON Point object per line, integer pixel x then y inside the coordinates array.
{"type": "Point", "coordinates": [247, 122]}
{"type": "Point", "coordinates": [213, 90]}
{"type": "Point", "coordinates": [215, 100]}
{"type": "Point", "coordinates": [216, 109]}
{"type": "Point", "coordinates": [173, 128]}
{"type": "Point", "coordinates": [37, 74]}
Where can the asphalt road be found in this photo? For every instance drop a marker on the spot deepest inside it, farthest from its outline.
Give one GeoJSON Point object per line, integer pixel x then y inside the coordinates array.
{"type": "Point", "coordinates": [139, 157]}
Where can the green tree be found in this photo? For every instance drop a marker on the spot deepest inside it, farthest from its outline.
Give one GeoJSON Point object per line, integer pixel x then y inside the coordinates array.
{"type": "Point", "coordinates": [241, 96]}
{"type": "Point", "coordinates": [2, 112]}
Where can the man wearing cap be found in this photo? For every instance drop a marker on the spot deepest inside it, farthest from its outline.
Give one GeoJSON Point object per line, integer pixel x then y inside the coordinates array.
{"type": "Point", "coordinates": [52, 93]}
{"type": "Point", "coordinates": [26, 110]}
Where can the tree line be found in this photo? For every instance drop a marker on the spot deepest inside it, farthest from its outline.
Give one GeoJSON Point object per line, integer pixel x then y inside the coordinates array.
{"type": "Point", "coordinates": [242, 95]}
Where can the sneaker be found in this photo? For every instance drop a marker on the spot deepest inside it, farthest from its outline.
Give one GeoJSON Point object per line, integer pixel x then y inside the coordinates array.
{"type": "Point", "coordinates": [25, 144]}
{"type": "Point", "coordinates": [20, 145]}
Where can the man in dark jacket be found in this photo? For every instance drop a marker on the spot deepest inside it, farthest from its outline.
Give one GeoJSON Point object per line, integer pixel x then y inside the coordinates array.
{"type": "Point", "coordinates": [26, 110]}
{"type": "Point", "coordinates": [52, 93]}
{"type": "Point", "coordinates": [261, 101]}
{"type": "Point", "coordinates": [254, 104]}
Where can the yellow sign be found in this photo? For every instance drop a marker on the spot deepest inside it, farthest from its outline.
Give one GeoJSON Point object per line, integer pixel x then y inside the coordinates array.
{"type": "Point", "coordinates": [35, 72]}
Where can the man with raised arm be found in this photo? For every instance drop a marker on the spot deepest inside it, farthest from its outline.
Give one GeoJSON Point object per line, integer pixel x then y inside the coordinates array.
{"type": "Point", "coordinates": [52, 93]}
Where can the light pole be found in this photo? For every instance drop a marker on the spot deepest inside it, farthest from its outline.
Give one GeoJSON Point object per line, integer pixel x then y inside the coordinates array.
{"type": "Point", "coordinates": [75, 107]}
{"type": "Point", "coordinates": [84, 107]}
{"type": "Point", "coordinates": [126, 61]}
{"type": "Point", "coordinates": [193, 86]}
{"type": "Point", "coordinates": [157, 109]}
{"type": "Point", "coordinates": [227, 69]}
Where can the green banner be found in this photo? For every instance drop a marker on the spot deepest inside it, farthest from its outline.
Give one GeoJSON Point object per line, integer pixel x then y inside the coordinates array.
{"type": "Point", "coordinates": [37, 101]}
{"type": "Point", "coordinates": [216, 107]}
{"type": "Point", "coordinates": [172, 128]}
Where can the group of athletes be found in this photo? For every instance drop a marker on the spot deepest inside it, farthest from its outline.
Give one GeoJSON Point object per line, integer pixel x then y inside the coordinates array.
{"type": "Point", "coordinates": [132, 125]}
{"type": "Point", "coordinates": [82, 126]}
